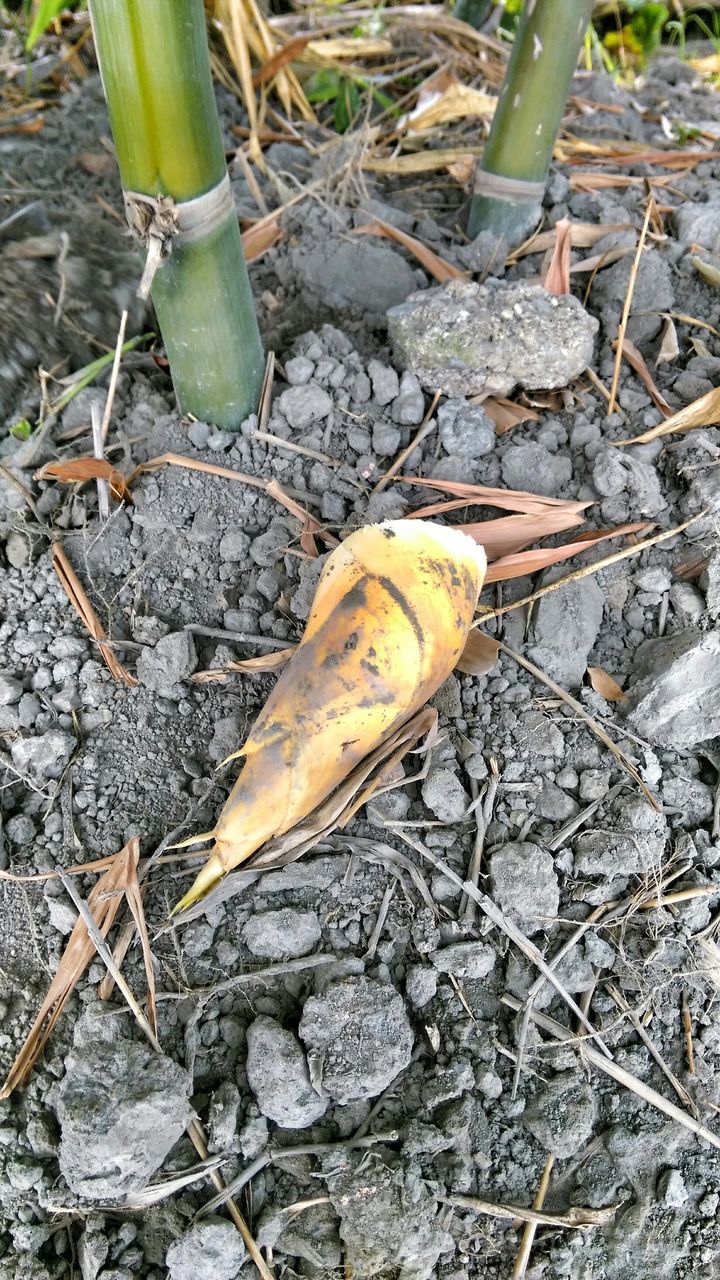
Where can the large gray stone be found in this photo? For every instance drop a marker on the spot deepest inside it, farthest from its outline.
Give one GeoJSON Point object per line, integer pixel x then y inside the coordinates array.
{"type": "Point", "coordinates": [360, 1030]}
{"type": "Point", "coordinates": [524, 884]}
{"type": "Point", "coordinates": [566, 623]}
{"type": "Point", "coordinates": [209, 1250]}
{"type": "Point", "coordinates": [675, 700]}
{"type": "Point", "coordinates": [121, 1108]}
{"type": "Point", "coordinates": [278, 1075]}
{"type": "Point", "coordinates": [173, 659]}
{"type": "Point", "coordinates": [277, 935]}
{"type": "Point", "coordinates": [464, 338]}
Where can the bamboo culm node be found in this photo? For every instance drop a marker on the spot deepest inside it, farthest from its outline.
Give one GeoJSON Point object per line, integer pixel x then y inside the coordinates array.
{"type": "Point", "coordinates": [155, 68]}
{"type": "Point", "coordinates": [512, 172]}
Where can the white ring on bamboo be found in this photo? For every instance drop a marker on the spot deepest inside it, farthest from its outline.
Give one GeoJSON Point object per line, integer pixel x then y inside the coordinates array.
{"type": "Point", "coordinates": [498, 187]}
{"type": "Point", "coordinates": [159, 223]}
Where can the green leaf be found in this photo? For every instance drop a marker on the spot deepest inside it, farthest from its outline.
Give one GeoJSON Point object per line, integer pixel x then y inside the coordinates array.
{"type": "Point", "coordinates": [21, 430]}
{"type": "Point", "coordinates": [324, 86]}
{"type": "Point", "coordinates": [44, 14]}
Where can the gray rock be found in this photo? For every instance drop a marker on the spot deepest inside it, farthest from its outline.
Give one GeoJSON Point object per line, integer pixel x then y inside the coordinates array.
{"type": "Point", "coordinates": [710, 583]}
{"type": "Point", "coordinates": [671, 1189]}
{"type": "Point", "coordinates": [43, 757]}
{"type": "Point", "coordinates": [355, 275]}
{"type": "Point", "coordinates": [210, 1250]}
{"type": "Point", "coordinates": [445, 795]}
{"type": "Point", "coordinates": [553, 803]}
{"type": "Point", "coordinates": [420, 984]}
{"type": "Point", "coordinates": [566, 624]}
{"type": "Point", "coordinates": [199, 434]}
{"type": "Point", "coordinates": [20, 829]}
{"type": "Point", "coordinates": [173, 659]}
{"type": "Point", "coordinates": [304, 405]}
{"type": "Point", "coordinates": [277, 1073]}
{"type": "Point", "coordinates": [234, 546]}
{"type": "Point", "coordinates": [465, 429]}
{"type": "Point", "coordinates": [385, 439]}
{"type": "Point", "coordinates": [408, 407]}
{"type": "Point", "coordinates": [279, 935]}
{"type": "Point", "coordinates": [299, 370]}
{"type": "Point", "coordinates": [485, 255]}
{"type": "Point", "coordinates": [631, 841]}
{"type": "Point", "coordinates": [561, 1114]}
{"type": "Point", "coordinates": [616, 472]}
{"type": "Point", "coordinates": [385, 382]}
{"type": "Point", "coordinates": [10, 690]}
{"type": "Point", "coordinates": [676, 695]}
{"type": "Point", "coordinates": [311, 1235]}
{"type": "Point", "coordinates": [388, 1219]}
{"type": "Point", "coordinates": [694, 799]}
{"type": "Point", "coordinates": [121, 1108]}
{"type": "Point", "coordinates": [524, 884]}
{"type": "Point", "coordinates": [465, 338]}
{"type": "Point", "coordinates": [698, 224]}
{"type": "Point", "coordinates": [465, 959]}
{"type": "Point", "coordinates": [533, 466]}
{"type": "Point", "coordinates": [653, 294]}
{"type": "Point", "coordinates": [360, 1031]}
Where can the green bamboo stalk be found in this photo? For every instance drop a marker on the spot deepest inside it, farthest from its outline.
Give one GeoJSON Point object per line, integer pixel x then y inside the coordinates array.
{"type": "Point", "coordinates": [156, 75]}
{"type": "Point", "coordinates": [527, 118]}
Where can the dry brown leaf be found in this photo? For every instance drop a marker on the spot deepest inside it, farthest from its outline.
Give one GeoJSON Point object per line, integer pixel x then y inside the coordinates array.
{"type": "Point", "coordinates": [505, 499]}
{"type": "Point", "coordinates": [557, 279]}
{"type": "Point", "coordinates": [273, 65]}
{"type": "Point", "coordinates": [95, 163]}
{"type": "Point", "coordinates": [669, 346]}
{"type": "Point", "coordinates": [636, 362]}
{"type": "Point", "coordinates": [259, 238]}
{"type": "Point", "coordinates": [462, 170]}
{"type": "Point", "coordinates": [78, 598]}
{"type": "Point", "coordinates": [583, 235]}
{"type": "Point", "coordinates": [103, 902]}
{"type": "Point", "coordinates": [430, 260]}
{"type": "Point", "coordinates": [24, 126]}
{"type": "Point", "coordinates": [479, 655]}
{"type": "Point", "coordinates": [511, 534]}
{"type": "Point", "coordinates": [78, 470]}
{"type": "Point", "coordinates": [507, 414]}
{"type": "Point", "coordinates": [704, 412]}
{"type": "Point", "coordinates": [605, 685]}
{"type": "Point", "coordinates": [526, 562]}
{"type": "Point", "coordinates": [266, 662]}
{"type": "Point", "coordinates": [455, 101]}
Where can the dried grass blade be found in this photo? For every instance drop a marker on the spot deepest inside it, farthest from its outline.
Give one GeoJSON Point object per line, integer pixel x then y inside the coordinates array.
{"type": "Point", "coordinates": [79, 600]}
{"type": "Point", "coordinates": [210, 468]}
{"type": "Point", "coordinates": [431, 261]}
{"type": "Point", "coordinates": [266, 662]}
{"type": "Point", "coordinates": [134, 896]}
{"type": "Point", "coordinates": [583, 235]}
{"type": "Point", "coordinates": [526, 562]}
{"type": "Point", "coordinates": [636, 362]}
{"type": "Point", "coordinates": [576, 1217]}
{"type": "Point", "coordinates": [418, 162]}
{"type": "Point", "coordinates": [557, 279]}
{"type": "Point", "coordinates": [78, 470]}
{"type": "Point", "coordinates": [628, 302]}
{"type": "Point", "coordinates": [103, 902]}
{"type": "Point", "coordinates": [704, 412]}
{"type": "Point", "coordinates": [292, 49]}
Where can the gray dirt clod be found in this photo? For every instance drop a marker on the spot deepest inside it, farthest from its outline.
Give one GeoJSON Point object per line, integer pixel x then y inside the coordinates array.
{"type": "Point", "coordinates": [43, 757]}
{"type": "Point", "coordinates": [465, 338]}
{"type": "Point", "coordinates": [445, 795]}
{"type": "Point", "coordinates": [676, 695]}
{"type": "Point", "coordinates": [389, 1227]}
{"type": "Point", "coordinates": [465, 429]}
{"type": "Point", "coordinates": [566, 624]}
{"type": "Point", "coordinates": [698, 224]}
{"type": "Point", "coordinates": [10, 690]}
{"type": "Point", "coordinates": [524, 884]}
{"type": "Point", "coordinates": [385, 382]}
{"type": "Point", "coordinates": [561, 1114]}
{"type": "Point", "coordinates": [653, 293]}
{"type": "Point", "coordinates": [465, 959]}
{"type": "Point", "coordinates": [281, 935]}
{"type": "Point", "coordinates": [420, 984]}
{"type": "Point", "coordinates": [361, 1029]}
{"type": "Point", "coordinates": [408, 407]}
{"type": "Point", "coordinates": [277, 1073]}
{"type": "Point", "coordinates": [173, 659]}
{"type": "Point", "coordinates": [355, 274]}
{"type": "Point", "coordinates": [549, 471]}
{"type": "Point", "coordinates": [121, 1108]}
{"type": "Point", "coordinates": [211, 1250]}
{"type": "Point", "coordinates": [304, 405]}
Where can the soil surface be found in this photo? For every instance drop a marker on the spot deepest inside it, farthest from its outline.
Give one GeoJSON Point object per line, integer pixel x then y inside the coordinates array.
{"type": "Point", "coordinates": [354, 1002]}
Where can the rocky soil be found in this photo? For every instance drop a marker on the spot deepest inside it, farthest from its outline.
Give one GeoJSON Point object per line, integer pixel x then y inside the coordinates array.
{"type": "Point", "coordinates": [353, 1004]}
